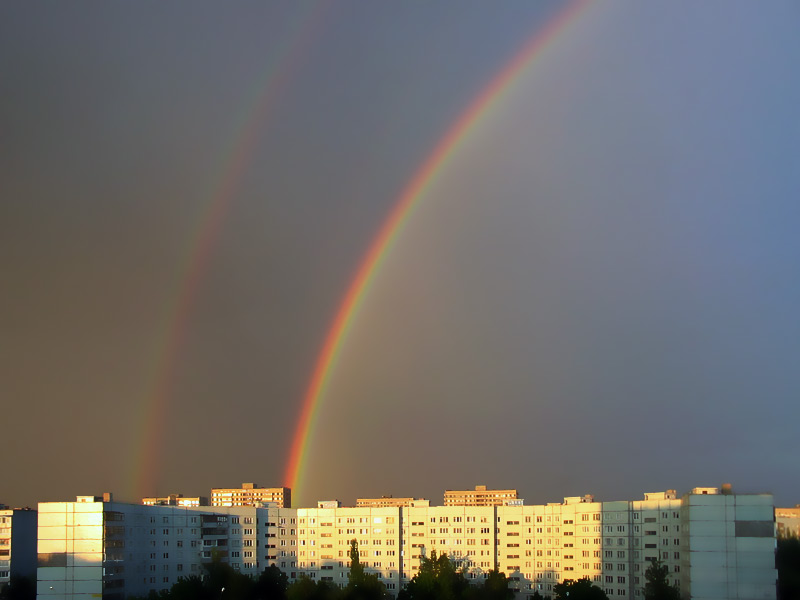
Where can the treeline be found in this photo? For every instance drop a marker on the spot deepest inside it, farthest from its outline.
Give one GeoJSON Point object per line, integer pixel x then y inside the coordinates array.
{"type": "Point", "coordinates": [437, 579]}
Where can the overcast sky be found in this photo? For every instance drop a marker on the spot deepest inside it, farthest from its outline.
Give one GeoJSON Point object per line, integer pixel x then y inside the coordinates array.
{"type": "Point", "coordinates": [599, 294]}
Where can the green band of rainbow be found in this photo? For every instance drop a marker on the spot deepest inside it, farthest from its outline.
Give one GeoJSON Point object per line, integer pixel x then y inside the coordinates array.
{"type": "Point", "coordinates": [389, 232]}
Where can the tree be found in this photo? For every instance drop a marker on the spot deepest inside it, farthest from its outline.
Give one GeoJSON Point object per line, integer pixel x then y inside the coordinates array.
{"type": "Point", "coordinates": [271, 584]}
{"type": "Point", "coordinates": [307, 589]}
{"type": "Point", "coordinates": [495, 587]}
{"type": "Point", "coordinates": [361, 585]}
{"type": "Point", "coordinates": [582, 589]}
{"type": "Point", "coordinates": [19, 588]}
{"type": "Point", "coordinates": [787, 561]}
{"type": "Point", "coordinates": [658, 586]}
{"type": "Point", "coordinates": [437, 579]}
{"type": "Point", "coordinates": [190, 588]}
{"type": "Point", "coordinates": [219, 575]}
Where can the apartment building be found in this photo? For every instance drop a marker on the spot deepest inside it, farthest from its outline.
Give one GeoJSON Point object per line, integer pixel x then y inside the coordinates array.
{"type": "Point", "coordinates": [480, 496]}
{"type": "Point", "coordinates": [175, 500]}
{"type": "Point", "coordinates": [17, 543]}
{"type": "Point", "coordinates": [95, 546]}
{"type": "Point", "coordinates": [716, 545]}
{"type": "Point", "coordinates": [787, 521]}
{"type": "Point", "coordinates": [385, 501]}
{"type": "Point", "coordinates": [251, 495]}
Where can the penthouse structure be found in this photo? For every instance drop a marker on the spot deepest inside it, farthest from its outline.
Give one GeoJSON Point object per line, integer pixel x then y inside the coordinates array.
{"type": "Point", "coordinates": [17, 543]}
{"type": "Point", "coordinates": [480, 496]}
{"type": "Point", "coordinates": [251, 495]}
{"type": "Point", "coordinates": [716, 545]}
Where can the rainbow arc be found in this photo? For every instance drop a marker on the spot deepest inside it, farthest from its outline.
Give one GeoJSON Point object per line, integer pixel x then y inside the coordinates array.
{"type": "Point", "coordinates": [413, 193]}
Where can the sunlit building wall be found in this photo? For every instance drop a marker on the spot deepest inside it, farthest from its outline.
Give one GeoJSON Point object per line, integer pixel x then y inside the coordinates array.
{"type": "Point", "coordinates": [480, 496]}
{"type": "Point", "coordinates": [175, 500]}
{"type": "Point", "coordinates": [787, 520]}
{"type": "Point", "coordinates": [17, 543]}
{"type": "Point", "coordinates": [251, 495]}
{"type": "Point", "coordinates": [385, 501]}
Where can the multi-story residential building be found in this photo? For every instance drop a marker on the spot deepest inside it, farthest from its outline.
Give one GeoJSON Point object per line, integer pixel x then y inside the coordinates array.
{"type": "Point", "coordinates": [385, 501]}
{"type": "Point", "coordinates": [176, 500]}
{"type": "Point", "coordinates": [96, 546]}
{"type": "Point", "coordinates": [715, 545]}
{"type": "Point", "coordinates": [480, 496]}
{"type": "Point", "coordinates": [17, 543]}
{"type": "Point", "coordinates": [251, 495]}
{"type": "Point", "coordinates": [788, 522]}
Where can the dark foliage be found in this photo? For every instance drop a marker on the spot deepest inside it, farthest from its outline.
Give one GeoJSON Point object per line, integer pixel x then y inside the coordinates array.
{"type": "Point", "coordinates": [220, 581]}
{"type": "Point", "coordinates": [581, 589]}
{"type": "Point", "coordinates": [19, 588]}
{"type": "Point", "coordinates": [438, 578]}
{"type": "Point", "coordinates": [787, 561]}
{"type": "Point", "coordinates": [658, 586]}
{"type": "Point", "coordinates": [360, 585]}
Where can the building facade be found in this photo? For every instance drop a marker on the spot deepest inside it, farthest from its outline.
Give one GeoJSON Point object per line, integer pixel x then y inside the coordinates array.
{"type": "Point", "coordinates": [385, 501]}
{"type": "Point", "coordinates": [176, 500]}
{"type": "Point", "coordinates": [96, 547]}
{"type": "Point", "coordinates": [480, 496]}
{"type": "Point", "coordinates": [787, 521]}
{"type": "Point", "coordinates": [17, 543]}
{"type": "Point", "coordinates": [251, 495]}
{"type": "Point", "coordinates": [716, 546]}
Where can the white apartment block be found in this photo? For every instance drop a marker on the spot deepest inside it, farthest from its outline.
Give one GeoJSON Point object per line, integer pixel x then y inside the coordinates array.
{"type": "Point", "coordinates": [17, 543]}
{"type": "Point", "coordinates": [716, 546]}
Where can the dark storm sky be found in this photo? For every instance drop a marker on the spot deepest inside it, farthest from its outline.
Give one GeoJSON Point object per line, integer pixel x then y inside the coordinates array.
{"type": "Point", "coordinates": [599, 294]}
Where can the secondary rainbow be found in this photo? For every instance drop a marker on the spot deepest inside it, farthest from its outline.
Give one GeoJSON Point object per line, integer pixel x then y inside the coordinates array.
{"type": "Point", "coordinates": [142, 476]}
{"type": "Point", "coordinates": [410, 197]}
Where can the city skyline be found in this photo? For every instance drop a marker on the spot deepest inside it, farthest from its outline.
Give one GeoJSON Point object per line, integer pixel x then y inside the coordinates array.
{"type": "Point", "coordinates": [697, 537]}
{"type": "Point", "coordinates": [593, 290]}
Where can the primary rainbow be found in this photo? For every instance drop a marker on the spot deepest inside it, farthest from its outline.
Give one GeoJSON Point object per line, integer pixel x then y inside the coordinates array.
{"type": "Point", "coordinates": [409, 198]}
{"type": "Point", "coordinates": [148, 428]}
